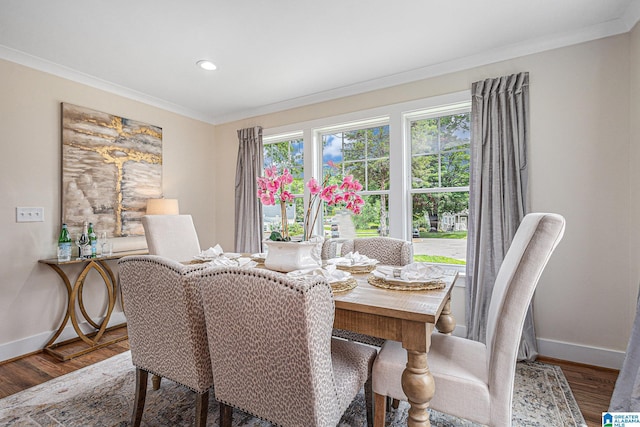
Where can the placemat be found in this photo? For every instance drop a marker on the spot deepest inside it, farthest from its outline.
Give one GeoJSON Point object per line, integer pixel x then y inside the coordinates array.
{"type": "Point", "coordinates": [344, 285]}
{"type": "Point", "coordinates": [402, 286]}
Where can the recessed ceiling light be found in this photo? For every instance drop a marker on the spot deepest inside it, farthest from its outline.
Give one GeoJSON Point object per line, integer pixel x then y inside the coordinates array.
{"type": "Point", "coordinates": [206, 65]}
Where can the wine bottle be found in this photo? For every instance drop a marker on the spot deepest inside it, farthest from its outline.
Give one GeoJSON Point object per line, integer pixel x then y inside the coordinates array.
{"type": "Point", "coordinates": [84, 248]}
{"type": "Point", "coordinates": [64, 245]}
{"type": "Point", "coordinates": [93, 240]}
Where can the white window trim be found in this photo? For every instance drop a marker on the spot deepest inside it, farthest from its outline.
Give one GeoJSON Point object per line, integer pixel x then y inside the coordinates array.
{"type": "Point", "coordinates": [396, 116]}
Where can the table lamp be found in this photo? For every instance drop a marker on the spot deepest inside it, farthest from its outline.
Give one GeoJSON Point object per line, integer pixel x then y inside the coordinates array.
{"type": "Point", "coordinates": [162, 207]}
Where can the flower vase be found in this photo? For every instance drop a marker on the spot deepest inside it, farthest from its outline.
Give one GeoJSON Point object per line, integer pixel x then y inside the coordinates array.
{"type": "Point", "coordinates": [290, 256]}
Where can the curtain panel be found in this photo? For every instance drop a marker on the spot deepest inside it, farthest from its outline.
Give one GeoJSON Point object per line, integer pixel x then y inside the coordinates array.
{"type": "Point", "coordinates": [248, 227]}
{"type": "Point", "coordinates": [498, 193]}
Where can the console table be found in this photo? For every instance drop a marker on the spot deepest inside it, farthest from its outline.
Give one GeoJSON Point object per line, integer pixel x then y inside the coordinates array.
{"type": "Point", "coordinates": [100, 336]}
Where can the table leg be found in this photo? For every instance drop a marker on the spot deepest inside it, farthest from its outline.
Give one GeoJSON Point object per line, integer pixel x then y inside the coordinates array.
{"type": "Point", "coordinates": [446, 322]}
{"type": "Point", "coordinates": [418, 385]}
{"type": "Point", "coordinates": [417, 381]}
{"type": "Point", "coordinates": [74, 294]}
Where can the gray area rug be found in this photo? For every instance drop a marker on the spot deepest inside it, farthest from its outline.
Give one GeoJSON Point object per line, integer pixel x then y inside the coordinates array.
{"type": "Point", "coordinates": [102, 395]}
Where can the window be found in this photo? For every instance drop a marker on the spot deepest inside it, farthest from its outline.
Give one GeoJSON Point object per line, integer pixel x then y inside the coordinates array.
{"type": "Point", "coordinates": [412, 160]}
{"type": "Point", "coordinates": [364, 153]}
{"type": "Point", "coordinates": [285, 152]}
{"type": "Point", "coordinates": [440, 155]}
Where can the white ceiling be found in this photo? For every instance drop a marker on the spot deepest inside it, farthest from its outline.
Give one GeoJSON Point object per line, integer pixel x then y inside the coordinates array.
{"type": "Point", "coordinates": [276, 54]}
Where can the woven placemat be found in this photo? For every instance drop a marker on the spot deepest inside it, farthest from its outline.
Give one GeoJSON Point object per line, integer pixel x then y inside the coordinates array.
{"type": "Point", "coordinates": [402, 286]}
{"type": "Point", "coordinates": [355, 269]}
{"type": "Point", "coordinates": [344, 285]}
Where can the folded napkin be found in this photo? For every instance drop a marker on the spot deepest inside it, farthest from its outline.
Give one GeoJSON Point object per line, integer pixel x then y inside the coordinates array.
{"type": "Point", "coordinates": [330, 272]}
{"type": "Point", "coordinates": [353, 259]}
{"type": "Point", "coordinates": [214, 252]}
{"type": "Point", "coordinates": [415, 272]}
{"type": "Point", "coordinates": [236, 262]}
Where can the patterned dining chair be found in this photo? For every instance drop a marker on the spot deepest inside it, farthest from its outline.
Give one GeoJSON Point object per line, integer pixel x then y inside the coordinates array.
{"type": "Point", "coordinates": [475, 381]}
{"type": "Point", "coordinates": [173, 237]}
{"type": "Point", "coordinates": [329, 249]}
{"type": "Point", "coordinates": [166, 328]}
{"type": "Point", "coordinates": [388, 251]}
{"type": "Point", "coordinates": [272, 352]}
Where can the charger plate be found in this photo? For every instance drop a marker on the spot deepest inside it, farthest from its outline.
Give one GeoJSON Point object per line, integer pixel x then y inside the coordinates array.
{"type": "Point", "coordinates": [398, 285]}
{"type": "Point", "coordinates": [368, 268]}
{"type": "Point", "coordinates": [344, 285]}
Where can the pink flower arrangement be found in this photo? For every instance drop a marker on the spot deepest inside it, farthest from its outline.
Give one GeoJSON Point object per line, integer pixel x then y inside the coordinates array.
{"type": "Point", "coordinates": [272, 187]}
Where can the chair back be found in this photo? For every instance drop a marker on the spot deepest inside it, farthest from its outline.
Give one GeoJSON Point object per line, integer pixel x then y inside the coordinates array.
{"type": "Point", "coordinates": [165, 321]}
{"type": "Point", "coordinates": [329, 249]}
{"type": "Point", "coordinates": [387, 250]}
{"type": "Point", "coordinates": [534, 242]}
{"type": "Point", "coordinates": [171, 236]}
{"type": "Point", "coordinates": [270, 344]}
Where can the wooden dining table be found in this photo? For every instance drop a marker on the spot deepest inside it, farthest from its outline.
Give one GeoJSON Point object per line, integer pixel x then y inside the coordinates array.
{"type": "Point", "coordinates": [405, 316]}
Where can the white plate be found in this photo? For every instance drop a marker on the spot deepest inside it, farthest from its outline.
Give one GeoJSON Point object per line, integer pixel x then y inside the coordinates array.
{"type": "Point", "coordinates": [232, 255]}
{"type": "Point", "coordinates": [405, 282]}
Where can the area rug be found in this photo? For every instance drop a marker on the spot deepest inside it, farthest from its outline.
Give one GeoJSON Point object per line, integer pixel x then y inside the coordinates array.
{"type": "Point", "coordinates": [102, 395]}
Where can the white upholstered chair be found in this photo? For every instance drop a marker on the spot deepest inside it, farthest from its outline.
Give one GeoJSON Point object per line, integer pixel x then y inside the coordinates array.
{"type": "Point", "coordinates": [166, 328]}
{"type": "Point", "coordinates": [473, 380]}
{"type": "Point", "coordinates": [171, 236]}
{"type": "Point", "coordinates": [272, 352]}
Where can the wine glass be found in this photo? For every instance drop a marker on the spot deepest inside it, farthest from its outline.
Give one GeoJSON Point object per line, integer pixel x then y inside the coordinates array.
{"type": "Point", "coordinates": [82, 241]}
{"type": "Point", "coordinates": [102, 240]}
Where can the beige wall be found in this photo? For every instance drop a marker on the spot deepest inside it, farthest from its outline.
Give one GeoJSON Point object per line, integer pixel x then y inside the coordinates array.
{"type": "Point", "coordinates": [584, 150]}
{"type": "Point", "coordinates": [634, 165]}
{"type": "Point", "coordinates": [580, 135]}
{"type": "Point", "coordinates": [31, 295]}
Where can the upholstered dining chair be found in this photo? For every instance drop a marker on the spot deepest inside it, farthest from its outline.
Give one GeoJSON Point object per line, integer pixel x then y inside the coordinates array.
{"type": "Point", "coordinates": [473, 380]}
{"type": "Point", "coordinates": [272, 352]}
{"type": "Point", "coordinates": [166, 328]}
{"type": "Point", "coordinates": [171, 236]}
{"type": "Point", "coordinates": [387, 251]}
{"type": "Point", "coordinates": [329, 249]}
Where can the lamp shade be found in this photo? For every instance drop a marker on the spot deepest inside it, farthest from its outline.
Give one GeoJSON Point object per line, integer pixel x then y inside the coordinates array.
{"type": "Point", "coordinates": [162, 207]}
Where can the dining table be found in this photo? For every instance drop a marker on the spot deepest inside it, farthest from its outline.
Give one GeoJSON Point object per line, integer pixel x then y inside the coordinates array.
{"type": "Point", "coordinates": [407, 316]}
{"type": "Point", "coordinates": [401, 313]}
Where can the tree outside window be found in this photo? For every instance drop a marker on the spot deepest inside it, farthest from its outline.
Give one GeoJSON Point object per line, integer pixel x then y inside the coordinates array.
{"type": "Point", "coordinates": [363, 153]}
{"type": "Point", "coordinates": [440, 157]}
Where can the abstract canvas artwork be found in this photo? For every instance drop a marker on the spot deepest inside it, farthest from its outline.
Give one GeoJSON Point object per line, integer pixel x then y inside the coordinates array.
{"type": "Point", "coordinates": [110, 167]}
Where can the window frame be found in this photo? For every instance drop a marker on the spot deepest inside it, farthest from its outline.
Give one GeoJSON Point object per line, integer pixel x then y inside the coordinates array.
{"type": "Point", "coordinates": [397, 117]}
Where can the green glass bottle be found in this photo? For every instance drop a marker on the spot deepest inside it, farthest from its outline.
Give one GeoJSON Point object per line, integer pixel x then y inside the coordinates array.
{"type": "Point", "coordinates": [93, 240]}
{"type": "Point", "coordinates": [64, 245]}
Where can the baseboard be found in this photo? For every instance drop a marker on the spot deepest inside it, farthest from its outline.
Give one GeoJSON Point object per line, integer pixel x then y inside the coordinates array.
{"type": "Point", "coordinates": [37, 342]}
{"type": "Point", "coordinates": [550, 348]}
{"type": "Point", "coordinates": [581, 354]}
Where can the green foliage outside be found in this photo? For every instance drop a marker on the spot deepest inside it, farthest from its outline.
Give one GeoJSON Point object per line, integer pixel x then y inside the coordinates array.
{"type": "Point", "coordinates": [438, 259]}
{"type": "Point", "coordinates": [444, 234]}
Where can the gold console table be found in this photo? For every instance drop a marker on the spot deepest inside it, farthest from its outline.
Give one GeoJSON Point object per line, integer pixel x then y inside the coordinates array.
{"type": "Point", "coordinates": [101, 336]}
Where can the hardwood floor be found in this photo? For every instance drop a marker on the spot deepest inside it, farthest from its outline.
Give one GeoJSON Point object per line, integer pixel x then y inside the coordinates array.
{"type": "Point", "coordinates": [592, 386]}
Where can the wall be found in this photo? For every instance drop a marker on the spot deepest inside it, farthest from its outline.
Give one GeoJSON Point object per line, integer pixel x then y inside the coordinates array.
{"type": "Point", "coordinates": [634, 162]}
{"type": "Point", "coordinates": [32, 297]}
{"type": "Point", "coordinates": [580, 136]}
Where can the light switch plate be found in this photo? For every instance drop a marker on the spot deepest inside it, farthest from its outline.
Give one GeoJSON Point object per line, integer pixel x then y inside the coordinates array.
{"type": "Point", "coordinates": [29, 214]}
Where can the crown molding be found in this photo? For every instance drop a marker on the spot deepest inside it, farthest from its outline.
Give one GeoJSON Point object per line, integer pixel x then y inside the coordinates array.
{"type": "Point", "coordinates": [58, 70]}
{"type": "Point", "coordinates": [554, 41]}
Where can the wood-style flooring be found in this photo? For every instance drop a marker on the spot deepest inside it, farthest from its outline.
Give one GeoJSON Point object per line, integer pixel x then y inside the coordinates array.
{"type": "Point", "coordinates": [592, 386]}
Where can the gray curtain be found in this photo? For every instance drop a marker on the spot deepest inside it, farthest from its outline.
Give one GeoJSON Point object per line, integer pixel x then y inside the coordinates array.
{"type": "Point", "coordinates": [626, 394]}
{"type": "Point", "coordinates": [498, 193]}
{"type": "Point", "coordinates": [248, 231]}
